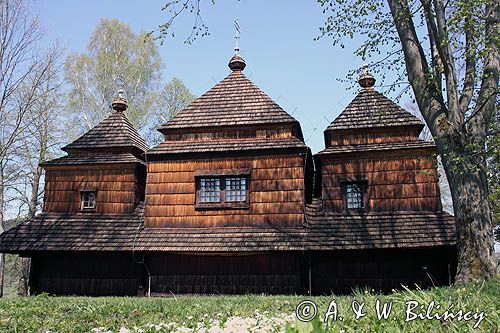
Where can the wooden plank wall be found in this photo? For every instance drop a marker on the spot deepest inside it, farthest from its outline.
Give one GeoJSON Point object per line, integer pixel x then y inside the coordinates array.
{"type": "Point", "coordinates": [395, 183]}
{"type": "Point", "coordinates": [276, 193]}
{"type": "Point", "coordinates": [229, 133]}
{"type": "Point", "coordinates": [117, 188]}
{"type": "Point", "coordinates": [271, 273]}
{"type": "Point", "coordinates": [366, 137]}
{"type": "Point", "coordinates": [89, 274]}
{"type": "Point", "coordinates": [340, 272]}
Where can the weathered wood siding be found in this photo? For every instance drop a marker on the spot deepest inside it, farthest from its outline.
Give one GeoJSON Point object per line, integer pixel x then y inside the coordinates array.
{"type": "Point", "coordinates": [276, 190]}
{"type": "Point", "coordinates": [397, 182]}
{"type": "Point", "coordinates": [341, 272]}
{"type": "Point", "coordinates": [367, 136]}
{"type": "Point", "coordinates": [87, 274]}
{"type": "Point", "coordinates": [232, 132]}
{"type": "Point", "coordinates": [271, 273]}
{"type": "Point", "coordinates": [119, 188]}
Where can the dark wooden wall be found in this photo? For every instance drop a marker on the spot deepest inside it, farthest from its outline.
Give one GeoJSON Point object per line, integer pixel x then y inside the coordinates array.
{"type": "Point", "coordinates": [119, 187]}
{"type": "Point", "coordinates": [281, 131]}
{"type": "Point", "coordinates": [276, 192]}
{"type": "Point", "coordinates": [338, 272]}
{"type": "Point", "coordinates": [400, 181]}
{"type": "Point", "coordinates": [271, 273]}
{"type": "Point", "coordinates": [341, 272]}
{"type": "Point", "coordinates": [374, 135]}
{"type": "Point", "coordinates": [88, 273]}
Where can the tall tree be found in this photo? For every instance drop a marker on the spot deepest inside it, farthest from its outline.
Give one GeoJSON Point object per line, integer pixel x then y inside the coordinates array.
{"type": "Point", "coordinates": [174, 97]}
{"type": "Point", "coordinates": [449, 53]}
{"type": "Point", "coordinates": [116, 58]}
{"type": "Point", "coordinates": [23, 67]}
{"type": "Point", "coordinates": [42, 136]}
{"type": "Point", "coordinates": [493, 147]}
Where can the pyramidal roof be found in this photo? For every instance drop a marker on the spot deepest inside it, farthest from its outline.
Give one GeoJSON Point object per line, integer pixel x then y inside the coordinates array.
{"type": "Point", "coordinates": [371, 109]}
{"type": "Point", "coordinates": [113, 132]}
{"type": "Point", "coordinates": [234, 101]}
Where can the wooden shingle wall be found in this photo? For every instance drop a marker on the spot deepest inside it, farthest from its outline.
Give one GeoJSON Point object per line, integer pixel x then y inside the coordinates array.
{"type": "Point", "coordinates": [119, 188]}
{"type": "Point", "coordinates": [371, 136]}
{"type": "Point", "coordinates": [237, 132]}
{"type": "Point", "coordinates": [271, 273]}
{"type": "Point", "coordinates": [276, 190]}
{"type": "Point", "coordinates": [396, 182]}
{"type": "Point", "coordinates": [86, 274]}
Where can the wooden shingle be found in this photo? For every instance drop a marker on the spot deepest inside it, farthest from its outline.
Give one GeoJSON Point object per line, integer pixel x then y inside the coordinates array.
{"type": "Point", "coordinates": [382, 146]}
{"type": "Point", "coordinates": [207, 146]}
{"type": "Point", "coordinates": [323, 231]}
{"type": "Point", "coordinates": [115, 131]}
{"type": "Point", "coordinates": [371, 109]}
{"type": "Point", "coordinates": [234, 101]}
{"type": "Point", "coordinates": [98, 158]}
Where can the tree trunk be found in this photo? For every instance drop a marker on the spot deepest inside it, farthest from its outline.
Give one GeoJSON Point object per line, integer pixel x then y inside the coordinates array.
{"type": "Point", "coordinates": [24, 272]}
{"type": "Point", "coordinates": [22, 289]}
{"type": "Point", "coordinates": [466, 173]}
{"type": "Point", "coordinates": [2, 256]}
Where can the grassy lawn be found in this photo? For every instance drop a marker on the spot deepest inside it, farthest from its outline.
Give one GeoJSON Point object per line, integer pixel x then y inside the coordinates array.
{"type": "Point", "coordinates": [260, 313]}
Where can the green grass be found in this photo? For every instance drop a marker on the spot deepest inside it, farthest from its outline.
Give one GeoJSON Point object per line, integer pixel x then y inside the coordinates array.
{"type": "Point", "coordinates": [82, 314]}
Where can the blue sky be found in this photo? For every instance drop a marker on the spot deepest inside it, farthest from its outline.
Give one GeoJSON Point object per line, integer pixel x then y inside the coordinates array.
{"type": "Point", "coordinates": [282, 58]}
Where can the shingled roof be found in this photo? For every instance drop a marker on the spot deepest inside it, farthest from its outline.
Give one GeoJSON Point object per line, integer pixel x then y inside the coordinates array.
{"type": "Point", "coordinates": [377, 230]}
{"type": "Point", "coordinates": [371, 109]}
{"type": "Point", "coordinates": [324, 231]}
{"type": "Point", "coordinates": [115, 131]}
{"type": "Point", "coordinates": [72, 232]}
{"type": "Point", "coordinates": [234, 101]}
{"type": "Point", "coordinates": [378, 146]}
{"type": "Point", "coordinates": [94, 159]}
{"type": "Point", "coordinates": [234, 145]}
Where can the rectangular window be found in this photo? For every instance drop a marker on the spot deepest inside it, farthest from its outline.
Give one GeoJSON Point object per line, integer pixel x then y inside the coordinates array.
{"type": "Point", "coordinates": [87, 200]}
{"type": "Point", "coordinates": [236, 189]}
{"type": "Point", "coordinates": [222, 191]}
{"type": "Point", "coordinates": [355, 195]}
{"type": "Point", "coordinates": [210, 190]}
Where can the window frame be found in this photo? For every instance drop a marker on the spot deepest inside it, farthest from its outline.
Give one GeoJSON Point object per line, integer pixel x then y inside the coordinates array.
{"type": "Point", "coordinates": [82, 201]}
{"type": "Point", "coordinates": [363, 185]}
{"type": "Point", "coordinates": [222, 175]}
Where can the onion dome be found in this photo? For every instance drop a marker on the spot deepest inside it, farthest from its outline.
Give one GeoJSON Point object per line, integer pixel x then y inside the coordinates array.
{"type": "Point", "coordinates": [119, 103]}
{"type": "Point", "coordinates": [237, 63]}
{"type": "Point", "coordinates": [366, 80]}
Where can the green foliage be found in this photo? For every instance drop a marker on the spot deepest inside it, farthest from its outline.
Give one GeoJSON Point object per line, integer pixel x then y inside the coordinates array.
{"type": "Point", "coordinates": [82, 314]}
{"type": "Point", "coordinates": [115, 58]}
{"type": "Point", "coordinates": [372, 21]}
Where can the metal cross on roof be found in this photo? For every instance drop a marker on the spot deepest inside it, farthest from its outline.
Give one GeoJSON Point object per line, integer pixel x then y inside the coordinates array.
{"type": "Point", "coordinates": [237, 37]}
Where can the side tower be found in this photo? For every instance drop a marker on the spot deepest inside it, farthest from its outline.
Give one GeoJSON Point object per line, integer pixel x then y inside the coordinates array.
{"type": "Point", "coordinates": [104, 171]}
{"type": "Point", "coordinates": [379, 218]}
{"type": "Point", "coordinates": [226, 194]}
{"type": "Point", "coordinates": [82, 242]}
{"type": "Point", "coordinates": [374, 159]}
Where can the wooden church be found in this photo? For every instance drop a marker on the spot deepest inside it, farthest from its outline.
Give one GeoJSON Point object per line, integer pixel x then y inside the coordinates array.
{"type": "Point", "coordinates": [233, 201]}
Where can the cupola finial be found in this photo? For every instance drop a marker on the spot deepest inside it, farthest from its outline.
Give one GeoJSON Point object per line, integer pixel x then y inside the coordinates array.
{"type": "Point", "coordinates": [366, 79]}
{"type": "Point", "coordinates": [120, 103]}
{"type": "Point", "coordinates": [237, 37]}
{"type": "Point", "coordinates": [237, 63]}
